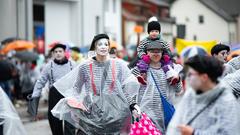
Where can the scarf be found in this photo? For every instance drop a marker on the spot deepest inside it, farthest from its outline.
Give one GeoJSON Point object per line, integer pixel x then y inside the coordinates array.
{"type": "Point", "coordinates": [61, 62]}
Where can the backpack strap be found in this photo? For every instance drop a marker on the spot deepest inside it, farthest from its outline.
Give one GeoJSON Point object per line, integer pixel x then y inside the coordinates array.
{"type": "Point", "coordinates": [51, 76]}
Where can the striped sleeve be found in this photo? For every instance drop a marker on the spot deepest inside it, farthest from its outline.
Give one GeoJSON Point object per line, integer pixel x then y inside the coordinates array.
{"type": "Point", "coordinates": [235, 63]}
{"type": "Point", "coordinates": [141, 49]}
{"type": "Point", "coordinates": [232, 80]}
{"type": "Point", "coordinates": [135, 71]}
{"type": "Point", "coordinates": [41, 82]}
{"type": "Point", "coordinates": [80, 79]}
{"type": "Point", "coordinates": [165, 44]}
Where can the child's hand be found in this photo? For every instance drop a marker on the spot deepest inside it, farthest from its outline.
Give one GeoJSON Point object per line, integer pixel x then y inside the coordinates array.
{"type": "Point", "coordinates": [146, 58]}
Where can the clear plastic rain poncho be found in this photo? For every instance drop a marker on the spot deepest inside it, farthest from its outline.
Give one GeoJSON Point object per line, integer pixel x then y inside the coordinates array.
{"type": "Point", "coordinates": [107, 100]}
{"type": "Point", "coordinates": [9, 119]}
{"type": "Point", "coordinates": [149, 99]}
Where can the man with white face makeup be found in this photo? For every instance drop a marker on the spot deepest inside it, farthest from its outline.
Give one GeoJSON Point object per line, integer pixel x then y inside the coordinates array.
{"type": "Point", "coordinates": [220, 52]}
{"type": "Point", "coordinates": [98, 102]}
{"type": "Point", "coordinates": [209, 108]}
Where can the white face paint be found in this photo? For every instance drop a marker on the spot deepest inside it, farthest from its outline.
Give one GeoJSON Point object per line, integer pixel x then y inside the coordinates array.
{"type": "Point", "coordinates": [102, 47]}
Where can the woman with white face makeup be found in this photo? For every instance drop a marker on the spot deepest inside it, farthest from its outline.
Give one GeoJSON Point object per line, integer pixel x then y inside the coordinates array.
{"type": "Point", "coordinates": [98, 102]}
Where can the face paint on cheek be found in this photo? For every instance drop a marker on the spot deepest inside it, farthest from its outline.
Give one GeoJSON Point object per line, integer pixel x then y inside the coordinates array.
{"type": "Point", "coordinates": [102, 47]}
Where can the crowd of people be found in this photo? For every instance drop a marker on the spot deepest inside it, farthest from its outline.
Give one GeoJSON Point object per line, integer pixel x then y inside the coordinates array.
{"type": "Point", "coordinates": [103, 95]}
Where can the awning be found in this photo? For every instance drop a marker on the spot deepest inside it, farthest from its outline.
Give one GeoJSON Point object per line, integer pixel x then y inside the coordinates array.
{"type": "Point", "coordinates": [133, 17]}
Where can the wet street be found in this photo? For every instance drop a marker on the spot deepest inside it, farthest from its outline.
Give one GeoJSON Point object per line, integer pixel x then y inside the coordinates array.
{"type": "Point", "coordinates": [40, 127]}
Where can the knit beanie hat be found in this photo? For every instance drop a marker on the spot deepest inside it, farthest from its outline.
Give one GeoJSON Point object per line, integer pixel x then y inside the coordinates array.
{"type": "Point", "coordinates": [153, 25]}
{"type": "Point", "coordinates": [219, 47]}
{"type": "Point", "coordinates": [96, 38]}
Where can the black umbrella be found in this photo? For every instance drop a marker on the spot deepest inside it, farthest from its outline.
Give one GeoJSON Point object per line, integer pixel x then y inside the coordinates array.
{"type": "Point", "coordinates": [26, 56]}
{"type": "Point", "coordinates": [9, 40]}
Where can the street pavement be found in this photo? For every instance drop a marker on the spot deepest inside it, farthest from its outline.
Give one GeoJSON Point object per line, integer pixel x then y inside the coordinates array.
{"type": "Point", "coordinates": [40, 127]}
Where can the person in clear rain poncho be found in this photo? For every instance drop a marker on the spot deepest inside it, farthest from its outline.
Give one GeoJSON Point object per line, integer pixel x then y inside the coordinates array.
{"type": "Point", "coordinates": [10, 122]}
{"type": "Point", "coordinates": [208, 107]}
{"type": "Point", "coordinates": [98, 93]}
{"type": "Point", "coordinates": [150, 97]}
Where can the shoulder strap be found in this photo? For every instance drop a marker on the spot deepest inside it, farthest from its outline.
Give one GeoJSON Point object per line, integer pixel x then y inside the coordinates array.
{"type": "Point", "coordinates": [156, 84]}
{"type": "Point", "coordinates": [210, 103]}
{"type": "Point", "coordinates": [51, 76]}
{"type": "Point", "coordinates": [71, 67]}
{"type": "Point", "coordinates": [161, 95]}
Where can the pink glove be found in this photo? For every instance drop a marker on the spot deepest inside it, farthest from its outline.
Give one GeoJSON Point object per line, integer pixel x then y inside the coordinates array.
{"type": "Point", "coordinates": [166, 58]}
{"type": "Point", "coordinates": [146, 58]}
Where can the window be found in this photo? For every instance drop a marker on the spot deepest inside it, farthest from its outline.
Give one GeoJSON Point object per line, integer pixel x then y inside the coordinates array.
{"type": "Point", "coordinates": [181, 31]}
{"type": "Point", "coordinates": [201, 19]}
{"type": "Point", "coordinates": [194, 37]}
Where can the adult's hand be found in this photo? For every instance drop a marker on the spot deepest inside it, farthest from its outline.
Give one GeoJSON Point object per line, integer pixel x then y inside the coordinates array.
{"type": "Point", "coordinates": [135, 109]}
{"type": "Point", "coordinates": [186, 130]}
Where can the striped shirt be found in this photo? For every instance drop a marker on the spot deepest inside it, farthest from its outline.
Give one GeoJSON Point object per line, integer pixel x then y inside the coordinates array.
{"type": "Point", "coordinates": [84, 77]}
{"type": "Point", "coordinates": [142, 47]}
{"type": "Point", "coordinates": [235, 63]}
{"type": "Point", "coordinates": [51, 73]}
{"type": "Point", "coordinates": [149, 97]}
{"type": "Point", "coordinates": [233, 81]}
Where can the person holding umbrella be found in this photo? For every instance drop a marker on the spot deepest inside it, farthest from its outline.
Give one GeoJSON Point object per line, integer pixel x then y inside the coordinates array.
{"type": "Point", "coordinates": [54, 70]}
